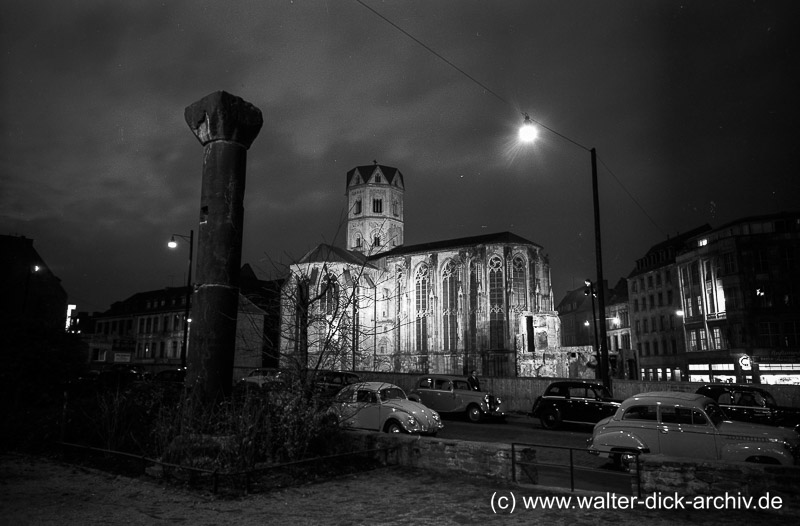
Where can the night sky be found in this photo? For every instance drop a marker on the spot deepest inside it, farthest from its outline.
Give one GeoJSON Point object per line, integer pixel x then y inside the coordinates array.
{"type": "Point", "coordinates": [692, 107]}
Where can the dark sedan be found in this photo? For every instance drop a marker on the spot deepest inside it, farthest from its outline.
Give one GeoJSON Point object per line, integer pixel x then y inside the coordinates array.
{"type": "Point", "coordinates": [573, 402]}
{"type": "Point", "coordinates": [748, 403]}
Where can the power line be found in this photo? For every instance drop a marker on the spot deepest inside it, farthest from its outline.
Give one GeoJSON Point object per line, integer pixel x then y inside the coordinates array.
{"type": "Point", "coordinates": [502, 99]}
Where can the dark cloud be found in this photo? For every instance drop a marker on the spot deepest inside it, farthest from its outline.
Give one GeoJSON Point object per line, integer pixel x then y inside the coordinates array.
{"type": "Point", "coordinates": [690, 105]}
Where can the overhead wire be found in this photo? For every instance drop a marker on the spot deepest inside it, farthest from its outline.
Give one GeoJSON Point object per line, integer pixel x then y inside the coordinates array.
{"type": "Point", "coordinates": [502, 99]}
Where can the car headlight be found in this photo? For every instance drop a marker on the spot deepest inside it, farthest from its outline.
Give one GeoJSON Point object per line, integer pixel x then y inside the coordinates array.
{"type": "Point", "coordinates": [412, 421]}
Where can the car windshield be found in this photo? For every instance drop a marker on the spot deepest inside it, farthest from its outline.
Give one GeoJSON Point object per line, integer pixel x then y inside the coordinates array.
{"type": "Point", "coordinates": [392, 393]}
{"type": "Point", "coordinates": [714, 413]}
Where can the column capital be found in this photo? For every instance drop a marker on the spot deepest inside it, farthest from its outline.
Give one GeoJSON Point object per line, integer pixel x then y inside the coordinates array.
{"type": "Point", "coordinates": [221, 116]}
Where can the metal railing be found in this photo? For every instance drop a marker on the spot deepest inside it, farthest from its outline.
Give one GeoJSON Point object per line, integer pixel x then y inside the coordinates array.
{"type": "Point", "coordinates": [529, 464]}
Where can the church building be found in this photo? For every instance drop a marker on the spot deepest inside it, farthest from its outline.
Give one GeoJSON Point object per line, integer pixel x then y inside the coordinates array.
{"type": "Point", "coordinates": [483, 302]}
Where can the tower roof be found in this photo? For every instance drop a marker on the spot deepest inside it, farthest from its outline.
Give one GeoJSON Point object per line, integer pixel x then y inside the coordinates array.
{"type": "Point", "coordinates": [392, 175]}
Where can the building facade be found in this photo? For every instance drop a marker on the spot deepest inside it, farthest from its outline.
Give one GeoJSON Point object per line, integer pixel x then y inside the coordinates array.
{"type": "Point", "coordinates": [33, 297]}
{"type": "Point", "coordinates": [482, 302]}
{"type": "Point", "coordinates": [147, 328]}
{"type": "Point", "coordinates": [740, 296]}
{"type": "Point", "coordinates": [655, 304]}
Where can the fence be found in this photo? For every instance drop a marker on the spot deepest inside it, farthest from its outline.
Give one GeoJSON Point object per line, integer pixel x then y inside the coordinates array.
{"type": "Point", "coordinates": [540, 465]}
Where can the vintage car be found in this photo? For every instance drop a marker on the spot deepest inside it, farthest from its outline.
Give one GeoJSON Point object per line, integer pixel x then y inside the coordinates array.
{"type": "Point", "coordinates": [748, 403]}
{"type": "Point", "coordinates": [452, 394]}
{"type": "Point", "coordinates": [688, 425]}
{"type": "Point", "coordinates": [328, 383]}
{"type": "Point", "coordinates": [574, 402]}
{"type": "Point", "coordinates": [264, 378]}
{"type": "Point", "coordinates": [381, 406]}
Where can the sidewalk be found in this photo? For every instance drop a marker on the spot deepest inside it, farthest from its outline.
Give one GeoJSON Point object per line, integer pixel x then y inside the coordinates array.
{"type": "Point", "coordinates": [40, 491]}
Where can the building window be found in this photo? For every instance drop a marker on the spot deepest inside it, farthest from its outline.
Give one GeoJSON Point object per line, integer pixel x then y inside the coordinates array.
{"type": "Point", "coordinates": [474, 307]}
{"type": "Point", "coordinates": [329, 295]}
{"type": "Point", "coordinates": [451, 283]}
{"type": "Point", "coordinates": [357, 207]}
{"type": "Point", "coordinates": [716, 336]}
{"type": "Point", "coordinates": [377, 206]}
{"type": "Point", "coordinates": [376, 242]}
{"type": "Point", "coordinates": [422, 288]}
{"type": "Point", "coordinates": [496, 304]}
{"type": "Point", "coordinates": [768, 334]}
{"type": "Point", "coordinates": [519, 298]}
{"type": "Point", "coordinates": [395, 208]}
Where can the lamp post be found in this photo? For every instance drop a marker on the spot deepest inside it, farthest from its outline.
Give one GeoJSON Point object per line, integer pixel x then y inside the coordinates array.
{"type": "Point", "coordinates": [528, 133]}
{"type": "Point", "coordinates": [173, 244]}
{"type": "Point", "coordinates": [590, 291]}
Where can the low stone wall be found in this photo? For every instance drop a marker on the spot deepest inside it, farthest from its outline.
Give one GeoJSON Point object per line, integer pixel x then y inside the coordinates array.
{"type": "Point", "coordinates": [659, 474]}
{"type": "Point", "coordinates": [689, 477]}
{"type": "Point", "coordinates": [486, 459]}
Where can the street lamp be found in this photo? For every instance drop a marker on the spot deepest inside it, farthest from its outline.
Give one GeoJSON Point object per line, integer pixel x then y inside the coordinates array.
{"type": "Point", "coordinates": [173, 244]}
{"type": "Point", "coordinates": [590, 291]}
{"type": "Point", "coordinates": [527, 133]}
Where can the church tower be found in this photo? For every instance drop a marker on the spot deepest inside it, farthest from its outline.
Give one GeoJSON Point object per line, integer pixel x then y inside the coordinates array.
{"type": "Point", "coordinates": [375, 208]}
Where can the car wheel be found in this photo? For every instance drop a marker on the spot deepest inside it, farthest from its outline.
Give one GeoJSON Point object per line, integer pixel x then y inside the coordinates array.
{"type": "Point", "coordinates": [551, 419]}
{"type": "Point", "coordinates": [474, 413]}
{"type": "Point", "coordinates": [393, 426]}
{"type": "Point", "coordinates": [623, 460]}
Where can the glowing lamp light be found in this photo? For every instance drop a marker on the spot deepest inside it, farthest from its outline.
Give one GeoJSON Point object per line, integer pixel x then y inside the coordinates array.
{"type": "Point", "coordinates": [172, 243]}
{"type": "Point", "coordinates": [528, 132]}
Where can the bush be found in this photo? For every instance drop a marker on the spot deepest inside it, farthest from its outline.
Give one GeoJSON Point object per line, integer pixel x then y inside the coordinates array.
{"type": "Point", "coordinates": [251, 427]}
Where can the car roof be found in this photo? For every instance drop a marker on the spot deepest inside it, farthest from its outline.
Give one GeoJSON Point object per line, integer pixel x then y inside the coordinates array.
{"type": "Point", "coordinates": [442, 376]}
{"type": "Point", "coordinates": [575, 383]}
{"type": "Point", "coordinates": [732, 387]}
{"type": "Point", "coordinates": [375, 386]}
{"type": "Point", "coordinates": [667, 396]}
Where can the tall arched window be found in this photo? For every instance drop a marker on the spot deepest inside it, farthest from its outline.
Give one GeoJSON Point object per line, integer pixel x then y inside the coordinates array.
{"type": "Point", "coordinates": [474, 307]}
{"type": "Point", "coordinates": [496, 304]}
{"type": "Point", "coordinates": [329, 295]}
{"type": "Point", "coordinates": [520, 296]}
{"type": "Point", "coordinates": [422, 285]}
{"type": "Point", "coordinates": [451, 283]}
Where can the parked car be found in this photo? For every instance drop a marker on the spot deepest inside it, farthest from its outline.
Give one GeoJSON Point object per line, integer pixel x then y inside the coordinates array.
{"type": "Point", "coordinates": [748, 403]}
{"type": "Point", "coordinates": [328, 383]}
{"type": "Point", "coordinates": [263, 378]}
{"type": "Point", "coordinates": [688, 425]}
{"type": "Point", "coordinates": [380, 406]}
{"type": "Point", "coordinates": [171, 375]}
{"type": "Point", "coordinates": [452, 394]}
{"type": "Point", "coordinates": [574, 402]}
{"type": "Point", "coordinates": [119, 376]}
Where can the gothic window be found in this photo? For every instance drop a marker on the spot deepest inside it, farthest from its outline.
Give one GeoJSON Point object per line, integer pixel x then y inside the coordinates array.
{"type": "Point", "coordinates": [474, 290]}
{"type": "Point", "coordinates": [451, 283]}
{"type": "Point", "coordinates": [329, 294]}
{"type": "Point", "coordinates": [395, 208]}
{"type": "Point", "coordinates": [377, 206]}
{"type": "Point", "coordinates": [519, 297]}
{"type": "Point", "coordinates": [422, 285]}
{"type": "Point", "coordinates": [357, 207]}
{"type": "Point", "coordinates": [496, 304]}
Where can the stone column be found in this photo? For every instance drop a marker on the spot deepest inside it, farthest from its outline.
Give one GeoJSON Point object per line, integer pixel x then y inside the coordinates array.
{"type": "Point", "coordinates": [226, 126]}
